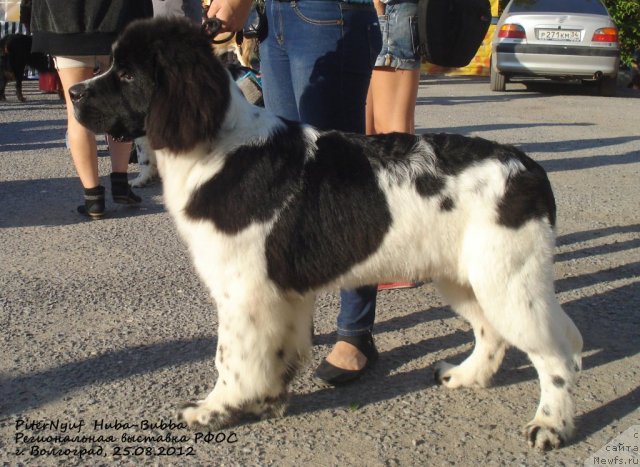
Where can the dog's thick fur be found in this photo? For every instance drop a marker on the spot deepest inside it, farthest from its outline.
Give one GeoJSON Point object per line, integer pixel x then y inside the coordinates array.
{"type": "Point", "coordinates": [146, 157]}
{"type": "Point", "coordinates": [273, 211]}
{"type": "Point", "coordinates": [15, 56]}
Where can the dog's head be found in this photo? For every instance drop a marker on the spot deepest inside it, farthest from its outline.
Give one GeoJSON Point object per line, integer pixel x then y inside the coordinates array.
{"type": "Point", "coordinates": [164, 82]}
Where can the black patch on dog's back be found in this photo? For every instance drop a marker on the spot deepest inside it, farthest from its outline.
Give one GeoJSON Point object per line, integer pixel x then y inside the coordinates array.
{"type": "Point", "coordinates": [528, 196]}
{"type": "Point", "coordinates": [338, 221]}
{"type": "Point", "coordinates": [254, 182]}
{"type": "Point", "coordinates": [429, 185]}
{"type": "Point", "coordinates": [331, 213]}
{"type": "Point", "coordinates": [388, 148]}
{"type": "Point", "coordinates": [391, 151]}
{"type": "Point", "coordinates": [334, 215]}
{"type": "Point", "coordinates": [528, 193]}
{"type": "Point", "coordinates": [455, 153]}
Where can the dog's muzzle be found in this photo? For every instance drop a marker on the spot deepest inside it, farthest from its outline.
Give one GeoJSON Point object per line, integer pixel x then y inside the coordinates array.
{"type": "Point", "coordinates": [77, 92]}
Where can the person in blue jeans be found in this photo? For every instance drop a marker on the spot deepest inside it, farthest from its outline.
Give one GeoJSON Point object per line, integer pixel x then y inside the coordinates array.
{"type": "Point", "coordinates": [316, 64]}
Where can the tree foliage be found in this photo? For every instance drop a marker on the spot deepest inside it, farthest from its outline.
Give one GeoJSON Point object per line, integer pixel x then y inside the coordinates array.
{"type": "Point", "coordinates": [626, 15]}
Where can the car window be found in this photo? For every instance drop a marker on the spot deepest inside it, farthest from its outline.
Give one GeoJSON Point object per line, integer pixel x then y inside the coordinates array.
{"type": "Point", "coordinates": [558, 6]}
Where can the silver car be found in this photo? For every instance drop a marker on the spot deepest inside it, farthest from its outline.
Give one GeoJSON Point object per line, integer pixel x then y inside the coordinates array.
{"type": "Point", "coordinates": [557, 39]}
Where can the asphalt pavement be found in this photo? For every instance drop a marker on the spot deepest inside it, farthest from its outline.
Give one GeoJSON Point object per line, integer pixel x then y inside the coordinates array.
{"type": "Point", "coordinates": [106, 330]}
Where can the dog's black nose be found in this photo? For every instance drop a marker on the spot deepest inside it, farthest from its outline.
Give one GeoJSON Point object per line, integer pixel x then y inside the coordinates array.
{"type": "Point", "coordinates": [77, 92]}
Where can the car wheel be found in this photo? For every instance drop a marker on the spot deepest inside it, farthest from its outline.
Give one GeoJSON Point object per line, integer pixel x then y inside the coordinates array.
{"type": "Point", "coordinates": [607, 86]}
{"type": "Point", "coordinates": [498, 80]}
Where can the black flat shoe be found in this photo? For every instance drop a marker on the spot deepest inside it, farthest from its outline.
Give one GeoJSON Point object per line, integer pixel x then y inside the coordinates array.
{"type": "Point", "coordinates": [93, 206]}
{"type": "Point", "coordinates": [335, 376]}
{"type": "Point", "coordinates": [121, 190]}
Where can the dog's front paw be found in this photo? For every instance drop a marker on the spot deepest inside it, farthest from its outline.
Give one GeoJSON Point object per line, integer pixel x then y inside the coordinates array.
{"type": "Point", "coordinates": [143, 180]}
{"type": "Point", "coordinates": [217, 416]}
{"type": "Point", "coordinates": [460, 376]}
{"type": "Point", "coordinates": [543, 436]}
{"type": "Point", "coordinates": [199, 415]}
{"type": "Point", "coordinates": [442, 373]}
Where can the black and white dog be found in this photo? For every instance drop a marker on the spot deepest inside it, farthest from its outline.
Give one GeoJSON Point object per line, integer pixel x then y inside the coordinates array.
{"type": "Point", "coordinates": [273, 211]}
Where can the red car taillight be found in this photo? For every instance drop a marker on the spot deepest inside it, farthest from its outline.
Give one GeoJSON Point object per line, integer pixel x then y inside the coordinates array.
{"type": "Point", "coordinates": [605, 35]}
{"type": "Point", "coordinates": [512, 31]}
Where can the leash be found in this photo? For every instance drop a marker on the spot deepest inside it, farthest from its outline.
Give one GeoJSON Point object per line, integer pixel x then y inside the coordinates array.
{"type": "Point", "coordinates": [211, 26]}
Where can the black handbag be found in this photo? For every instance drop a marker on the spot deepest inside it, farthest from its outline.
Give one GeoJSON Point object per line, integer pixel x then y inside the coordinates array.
{"type": "Point", "coordinates": [452, 31]}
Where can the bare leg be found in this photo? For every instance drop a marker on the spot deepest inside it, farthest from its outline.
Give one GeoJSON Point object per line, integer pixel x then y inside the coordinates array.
{"type": "Point", "coordinates": [120, 153]}
{"type": "Point", "coordinates": [82, 142]}
{"type": "Point", "coordinates": [392, 100]}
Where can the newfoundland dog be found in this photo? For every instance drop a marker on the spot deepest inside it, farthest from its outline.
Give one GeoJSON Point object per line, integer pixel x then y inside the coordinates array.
{"type": "Point", "coordinates": [274, 211]}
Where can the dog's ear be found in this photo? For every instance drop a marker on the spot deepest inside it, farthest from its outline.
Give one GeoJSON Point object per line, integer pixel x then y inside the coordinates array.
{"type": "Point", "coordinates": [191, 96]}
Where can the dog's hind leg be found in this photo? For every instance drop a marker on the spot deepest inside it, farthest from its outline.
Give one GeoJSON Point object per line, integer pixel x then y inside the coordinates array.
{"type": "Point", "coordinates": [512, 277]}
{"type": "Point", "coordinates": [18, 65]}
{"type": "Point", "coordinates": [484, 361]}
{"type": "Point", "coordinates": [260, 348]}
{"type": "Point", "coordinates": [553, 422]}
{"type": "Point", "coordinates": [19, 93]}
{"type": "Point", "coordinates": [3, 84]}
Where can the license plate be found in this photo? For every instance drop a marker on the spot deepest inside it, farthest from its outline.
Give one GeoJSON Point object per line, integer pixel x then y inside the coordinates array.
{"type": "Point", "coordinates": [558, 35]}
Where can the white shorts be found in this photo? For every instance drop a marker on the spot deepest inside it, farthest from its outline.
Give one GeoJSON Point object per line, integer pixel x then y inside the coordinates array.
{"type": "Point", "coordinates": [82, 61]}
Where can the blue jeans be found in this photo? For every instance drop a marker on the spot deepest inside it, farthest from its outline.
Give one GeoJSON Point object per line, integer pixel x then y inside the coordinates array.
{"type": "Point", "coordinates": [316, 65]}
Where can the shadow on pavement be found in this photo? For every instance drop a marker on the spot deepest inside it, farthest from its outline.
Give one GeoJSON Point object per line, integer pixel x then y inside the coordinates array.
{"type": "Point", "coordinates": [53, 202]}
{"type": "Point", "coordinates": [33, 390]}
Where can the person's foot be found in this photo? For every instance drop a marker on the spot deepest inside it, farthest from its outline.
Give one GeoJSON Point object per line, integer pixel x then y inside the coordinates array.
{"type": "Point", "coordinates": [346, 357]}
{"type": "Point", "coordinates": [121, 190]}
{"type": "Point", "coordinates": [93, 206]}
{"type": "Point", "coordinates": [348, 360]}
{"type": "Point", "coordinates": [126, 197]}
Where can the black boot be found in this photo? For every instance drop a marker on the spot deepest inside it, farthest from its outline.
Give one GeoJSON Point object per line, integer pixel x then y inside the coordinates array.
{"type": "Point", "coordinates": [121, 191]}
{"type": "Point", "coordinates": [93, 206]}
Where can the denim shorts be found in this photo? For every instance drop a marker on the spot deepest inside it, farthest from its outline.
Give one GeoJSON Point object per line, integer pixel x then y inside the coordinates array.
{"type": "Point", "coordinates": [399, 26]}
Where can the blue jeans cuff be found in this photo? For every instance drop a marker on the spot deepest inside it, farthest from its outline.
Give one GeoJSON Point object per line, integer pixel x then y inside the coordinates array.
{"type": "Point", "coordinates": [354, 332]}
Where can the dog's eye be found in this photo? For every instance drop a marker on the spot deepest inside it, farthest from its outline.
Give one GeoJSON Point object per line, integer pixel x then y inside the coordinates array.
{"type": "Point", "coordinates": [124, 75]}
